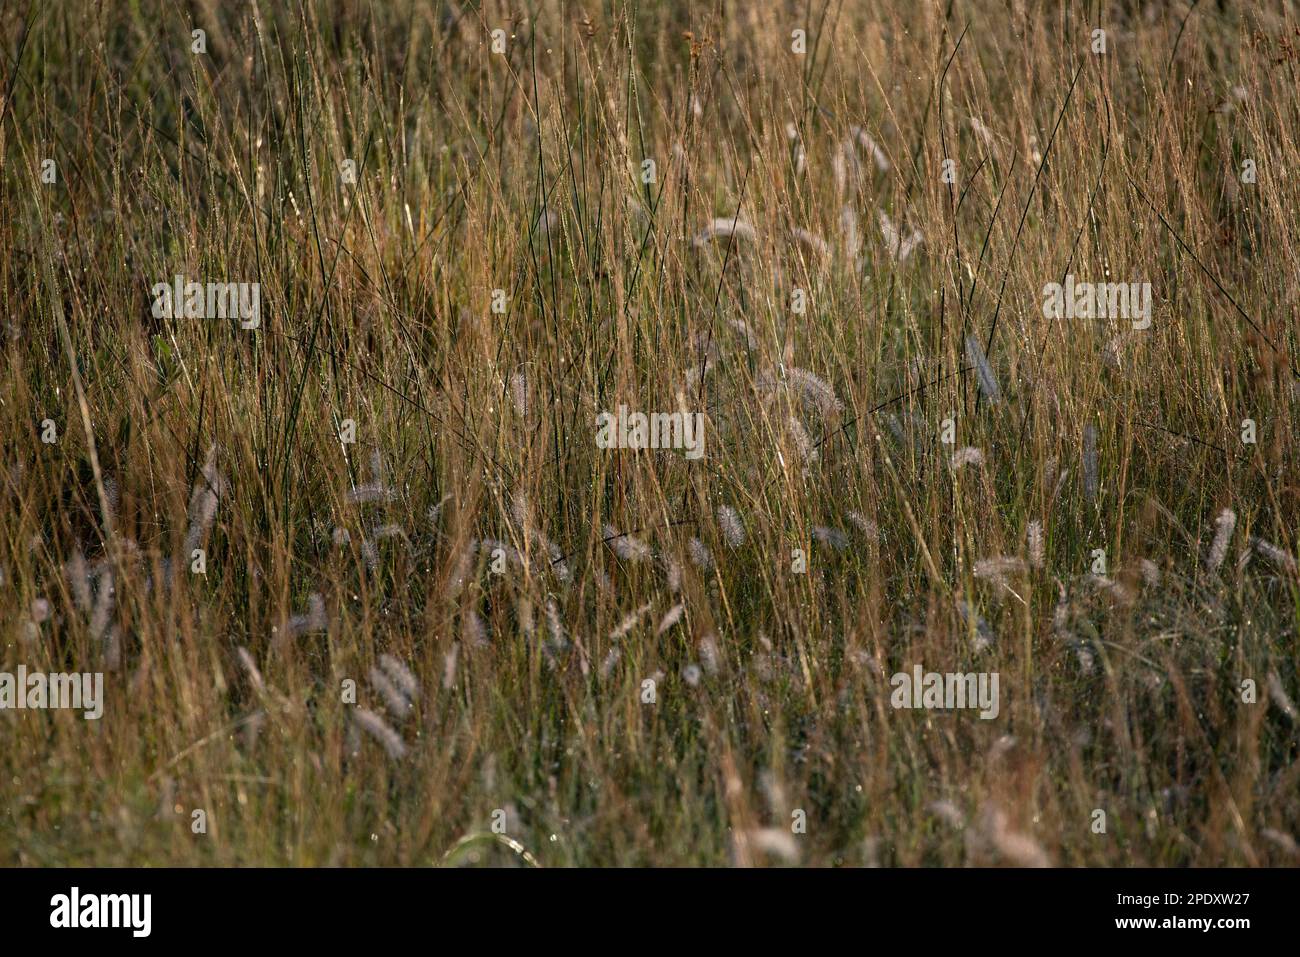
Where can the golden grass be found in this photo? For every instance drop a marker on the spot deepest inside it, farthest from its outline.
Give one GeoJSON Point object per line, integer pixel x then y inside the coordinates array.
{"type": "Point", "coordinates": [475, 432]}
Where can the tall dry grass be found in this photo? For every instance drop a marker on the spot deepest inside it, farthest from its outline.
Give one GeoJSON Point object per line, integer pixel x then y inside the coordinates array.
{"type": "Point", "coordinates": [518, 699]}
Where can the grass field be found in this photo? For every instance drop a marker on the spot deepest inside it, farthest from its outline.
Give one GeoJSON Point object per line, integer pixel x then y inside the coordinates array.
{"type": "Point", "coordinates": [363, 584]}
